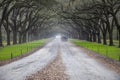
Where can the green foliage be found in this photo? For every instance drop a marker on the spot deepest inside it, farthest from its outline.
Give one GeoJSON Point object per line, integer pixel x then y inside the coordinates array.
{"type": "Point", "coordinates": [109, 51]}
{"type": "Point", "coordinates": [13, 51]}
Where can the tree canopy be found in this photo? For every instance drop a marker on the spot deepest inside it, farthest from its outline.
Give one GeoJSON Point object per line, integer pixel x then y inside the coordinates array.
{"type": "Point", "coordinates": [91, 20]}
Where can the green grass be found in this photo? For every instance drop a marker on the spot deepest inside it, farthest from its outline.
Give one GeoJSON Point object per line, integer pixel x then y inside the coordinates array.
{"type": "Point", "coordinates": [112, 52]}
{"type": "Point", "coordinates": [13, 51]}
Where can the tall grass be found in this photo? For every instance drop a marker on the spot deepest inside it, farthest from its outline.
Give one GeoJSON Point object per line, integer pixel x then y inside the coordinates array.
{"type": "Point", "coordinates": [112, 52]}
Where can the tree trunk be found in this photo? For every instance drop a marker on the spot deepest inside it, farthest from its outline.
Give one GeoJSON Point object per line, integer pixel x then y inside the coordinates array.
{"type": "Point", "coordinates": [119, 37]}
{"type": "Point", "coordinates": [1, 37]}
{"type": "Point", "coordinates": [29, 37]}
{"type": "Point", "coordinates": [20, 38]}
{"type": "Point", "coordinates": [104, 39]}
{"type": "Point", "coordinates": [8, 37]}
{"type": "Point", "coordinates": [117, 25]}
{"type": "Point", "coordinates": [87, 38]}
{"type": "Point", "coordinates": [24, 38]}
{"type": "Point", "coordinates": [111, 39]}
{"type": "Point", "coordinates": [90, 37]}
{"type": "Point", "coordinates": [94, 37]}
{"type": "Point", "coordinates": [79, 35]}
{"type": "Point", "coordinates": [14, 37]}
{"type": "Point", "coordinates": [99, 37]}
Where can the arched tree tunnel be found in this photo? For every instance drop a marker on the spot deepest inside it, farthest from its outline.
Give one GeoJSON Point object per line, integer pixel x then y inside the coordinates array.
{"type": "Point", "coordinates": [59, 39]}
{"type": "Point", "coordinates": [27, 20]}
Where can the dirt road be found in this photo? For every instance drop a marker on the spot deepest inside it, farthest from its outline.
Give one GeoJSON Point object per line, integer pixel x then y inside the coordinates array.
{"type": "Point", "coordinates": [78, 65]}
{"type": "Point", "coordinates": [25, 67]}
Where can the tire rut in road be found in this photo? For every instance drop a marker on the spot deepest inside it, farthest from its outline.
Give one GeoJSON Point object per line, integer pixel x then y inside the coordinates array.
{"type": "Point", "coordinates": [53, 71]}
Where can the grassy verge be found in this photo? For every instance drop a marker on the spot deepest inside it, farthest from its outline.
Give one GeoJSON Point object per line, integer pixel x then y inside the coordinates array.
{"type": "Point", "coordinates": [112, 52]}
{"type": "Point", "coordinates": [13, 51]}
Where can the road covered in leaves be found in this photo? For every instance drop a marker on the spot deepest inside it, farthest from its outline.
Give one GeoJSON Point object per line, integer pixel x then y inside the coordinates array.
{"type": "Point", "coordinates": [58, 60]}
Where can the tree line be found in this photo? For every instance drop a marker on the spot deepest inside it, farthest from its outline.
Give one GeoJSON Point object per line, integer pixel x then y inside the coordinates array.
{"type": "Point", "coordinates": [96, 18]}
{"type": "Point", "coordinates": [22, 19]}
{"type": "Point", "coordinates": [91, 20]}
